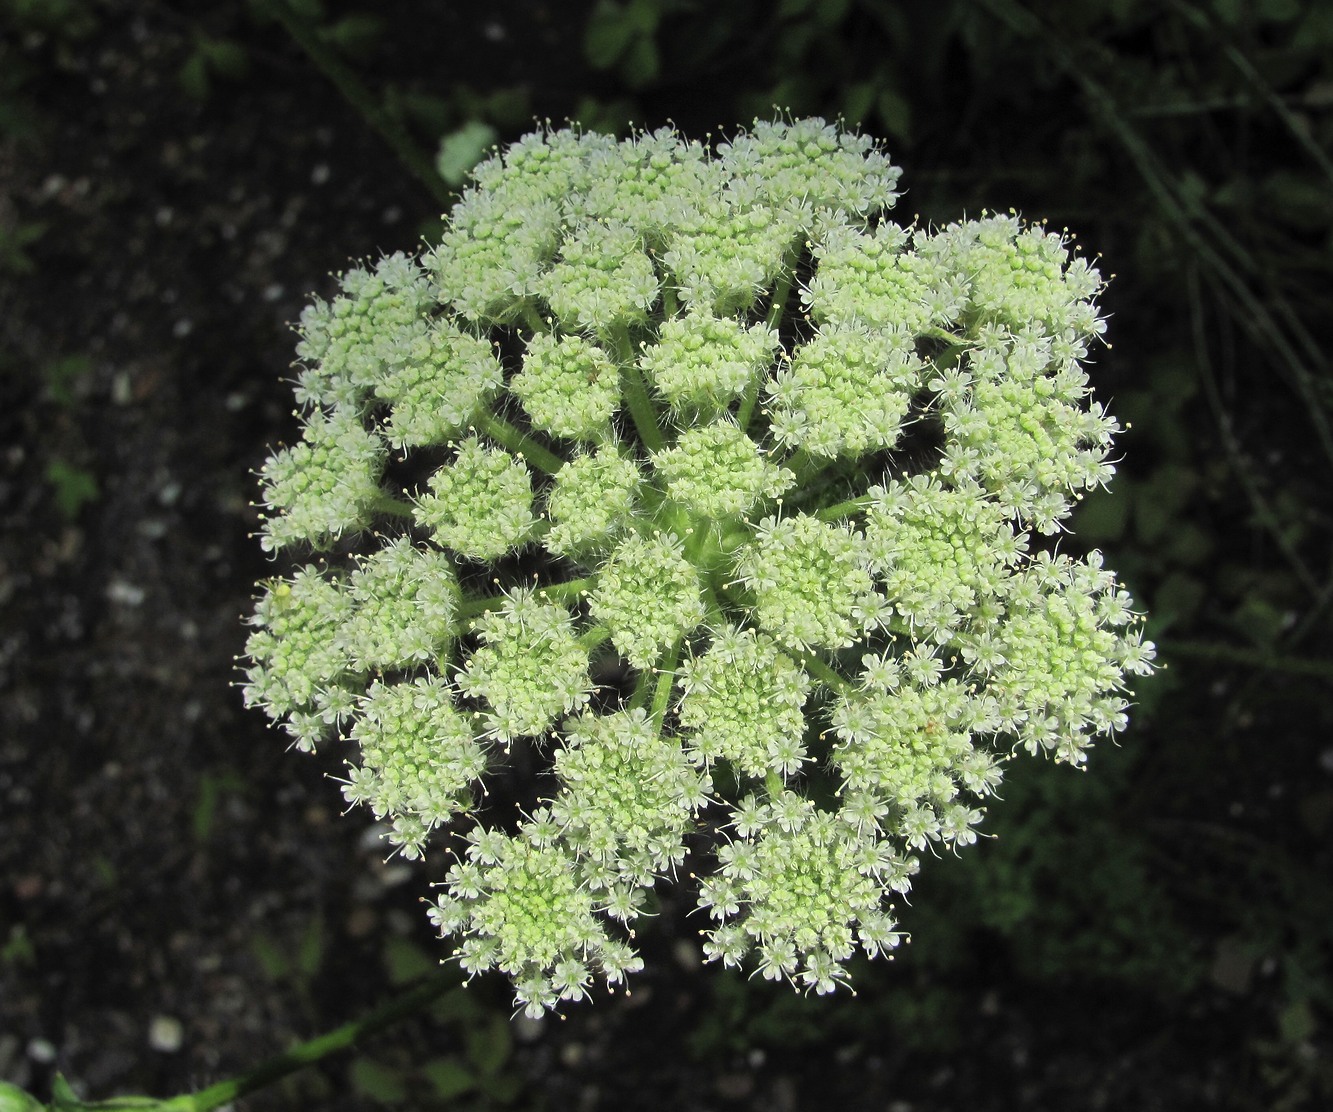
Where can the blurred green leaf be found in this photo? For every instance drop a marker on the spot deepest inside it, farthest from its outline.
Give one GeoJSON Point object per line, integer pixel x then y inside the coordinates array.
{"type": "Point", "coordinates": [105, 869]}
{"type": "Point", "coordinates": [68, 20]}
{"type": "Point", "coordinates": [377, 1081]}
{"type": "Point", "coordinates": [623, 36]}
{"type": "Point", "coordinates": [645, 15]}
{"type": "Point", "coordinates": [14, 243]}
{"type": "Point", "coordinates": [211, 57]}
{"type": "Point", "coordinates": [64, 376]}
{"type": "Point", "coordinates": [1190, 545]}
{"type": "Point", "coordinates": [793, 94]}
{"type": "Point", "coordinates": [448, 1077]}
{"type": "Point", "coordinates": [18, 947]}
{"type": "Point", "coordinates": [14, 1099]}
{"type": "Point", "coordinates": [828, 14]}
{"type": "Point", "coordinates": [358, 35]}
{"type": "Point", "coordinates": [1102, 515]}
{"type": "Point", "coordinates": [1279, 11]}
{"type": "Point", "coordinates": [642, 63]}
{"type": "Point", "coordinates": [436, 114]}
{"type": "Point", "coordinates": [1297, 1021]}
{"type": "Point", "coordinates": [308, 11]}
{"type": "Point", "coordinates": [73, 487]}
{"type": "Point", "coordinates": [193, 77]}
{"type": "Point", "coordinates": [456, 1004]}
{"type": "Point", "coordinates": [228, 58]}
{"type": "Point", "coordinates": [510, 107]}
{"type": "Point", "coordinates": [1160, 498]}
{"type": "Point", "coordinates": [608, 34]}
{"type": "Point", "coordinates": [212, 786]}
{"type": "Point", "coordinates": [461, 150]}
{"type": "Point", "coordinates": [489, 1045]}
{"type": "Point", "coordinates": [1177, 600]}
{"type": "Point", "coordinates": [1315, 32]}
{"type": "Point", "coordinates": [405, 961]}
{"type": "Point", "coordinates": [1259, 620]}
{"type": "Point", "coordinates": [503, 1088]}
{"type": "Point", "coordinates": [1299, 200]}
{"type": "Point", "coordinates": [270, 956]}
{"type": "Point", "coordinates": [857, 102]}
{"type": "Point", "coordinates": [611, 117]}
{"type": "Point", "coordinates": [310, 953]}
{"type": "Point", "coordinates": [895, 115]}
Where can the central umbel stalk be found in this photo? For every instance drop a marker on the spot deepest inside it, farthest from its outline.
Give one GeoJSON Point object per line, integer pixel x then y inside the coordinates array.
{"type": "Point", "coordinates": [709, 543]}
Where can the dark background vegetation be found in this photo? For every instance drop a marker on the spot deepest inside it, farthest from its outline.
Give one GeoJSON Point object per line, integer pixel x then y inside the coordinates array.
{"type": "Point", "coordinates": [178, 896]}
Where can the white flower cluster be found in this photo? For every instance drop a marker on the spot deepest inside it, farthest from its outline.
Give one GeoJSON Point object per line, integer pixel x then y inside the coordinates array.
{"type": "Point", "coordinates": [695, 483]}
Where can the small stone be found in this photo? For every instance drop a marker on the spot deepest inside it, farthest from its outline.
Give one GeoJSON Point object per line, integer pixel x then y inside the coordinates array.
{"type": "Point", "coordinates": [42, 1051]}
{"type": "Point", "coordinates": [127, 594]}
{"type": "Point", "coordinates": [734, 1086]}
{"type": "Point", "coordinates": [1233, 966]}
{"type": "Point", "coordinates": [687, 954]}
{"type": "Point", "coordinates": [527, 1029]}
{"type": "Point", "coordinates": [165, 1034]}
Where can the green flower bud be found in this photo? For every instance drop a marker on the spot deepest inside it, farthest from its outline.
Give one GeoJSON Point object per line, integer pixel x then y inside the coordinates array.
{"type": "Point", "coordinates": [480, 506]}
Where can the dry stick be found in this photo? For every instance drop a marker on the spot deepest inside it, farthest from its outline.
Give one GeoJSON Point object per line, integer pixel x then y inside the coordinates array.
{"type": "Point", "coordinates": [359, 97]}
{"type": "Point", "coordinates": [308, 1053]}
{"type": "Point", "coordinates": [1235, 456]}
{"type": "Point", "coordinates": [1257, 318]}
{"type": "Point", "coordinates": [1247, 658]}
{"type": "Point", "coordinates": [1298, 131]}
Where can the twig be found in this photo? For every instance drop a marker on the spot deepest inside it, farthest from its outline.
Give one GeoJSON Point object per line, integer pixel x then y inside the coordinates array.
{"type": "Point", "coordinates": [1246, 658]}
{"type": "Point", "coordinates": [308, 1053]}
{"type": "Point", "coordinates": [371, 110]}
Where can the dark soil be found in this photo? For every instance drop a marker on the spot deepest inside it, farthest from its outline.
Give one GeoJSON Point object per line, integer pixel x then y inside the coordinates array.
{"type": "Point", "coordinates": [179, 898]}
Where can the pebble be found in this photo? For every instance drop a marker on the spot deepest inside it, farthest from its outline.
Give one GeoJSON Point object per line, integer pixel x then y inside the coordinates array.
{"type": "Point", "coordinates": [166, 1034]}
{"type": "Point", "coordinates": [42, 1051]}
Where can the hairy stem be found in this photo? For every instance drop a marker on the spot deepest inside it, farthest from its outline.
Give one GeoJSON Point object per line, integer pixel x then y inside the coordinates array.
{"type": "Point", "coordinates": [390, 506]}
{"type": "Point", "coordinates": [666, 678]}
{"type": "Point", "coordinates": [570, 591]}
{"type": "Point", "coordinates": [520, 443]}
{"type": "Point", "coordinates": [642, 686]}
{"type": "Point", "coordinates": [640, 404]}
{"type": "Point", "coordinates": [843, 510]}
{"type": "Point", "coordinates": [641, 408]}
{"type": "Point", "coordinates": [533, 319]}
{"type": "Point", "coordinates": [591, 639]}
{"type": "Point", "coordinates": [815, 665]}
{"type": "Point", "coordinates": [776, 306]}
